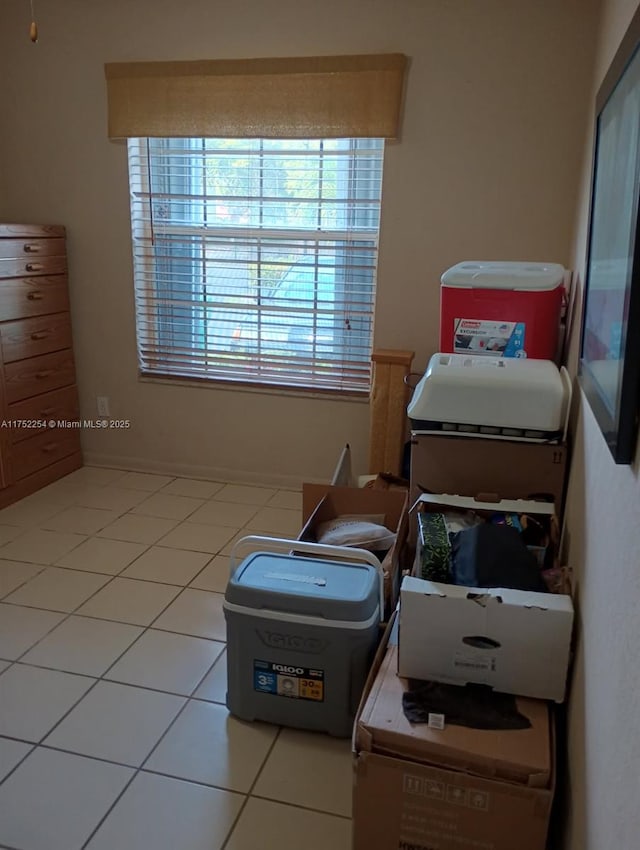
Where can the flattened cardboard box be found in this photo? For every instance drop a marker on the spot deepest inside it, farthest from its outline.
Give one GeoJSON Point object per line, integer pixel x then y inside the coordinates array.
{"type": "Point", "coordinates": [321, 503]}
{"type": "Point", "coordinates": [418, 788]}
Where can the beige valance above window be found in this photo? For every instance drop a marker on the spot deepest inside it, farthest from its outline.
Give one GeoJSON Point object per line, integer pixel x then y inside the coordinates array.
{"type": "Point", "coordinates": [307, 97]}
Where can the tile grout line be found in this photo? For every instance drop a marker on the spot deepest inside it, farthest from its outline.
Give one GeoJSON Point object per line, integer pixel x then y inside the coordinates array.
{"type": "Point", "coordinates": [137, 771]}
{"type": "Point", "coordinates": [108, 620]}
{"type": "Point", "coordinates": [42, 568]}
{"type": "Point", "coordinates": [82, 755]}
{"type": "Point", "coordinates": [24, 757]}
{"type": "Point", "coordinates": [96, 679]}
{"type": "Point", "coordinates": [145, 628]}
{"type": "Point", "coordinates": [249, 792]}
{"type": "Point", "coordinates": [185, 697]}
{"type": "Point", "coordinates": [102, 676]}
{"type": "Point", "coordinates": [68, 614]}
{"type": "Point", "coordinates": [74, 612]}
{"type": "Point", "coordinates": [127, 785]}
{"type": "Point", "coordinates": [210, 670]}
{"type": "Point", "coordinates": [159, 741]}
{"type": "Point", "coordinates": [55, 725]}
{"type": "Point", "coordinates": [300, 806]}
{"type": "Point", "coordinates": [119, 574]}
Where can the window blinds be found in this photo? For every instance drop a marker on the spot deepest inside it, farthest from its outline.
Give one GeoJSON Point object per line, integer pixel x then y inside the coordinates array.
{"type": "Point", "coordinates": [255, 259]}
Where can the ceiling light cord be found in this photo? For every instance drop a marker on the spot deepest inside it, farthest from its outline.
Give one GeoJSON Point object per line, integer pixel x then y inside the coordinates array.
{"type": "Point", "coordinates": [33, 29]}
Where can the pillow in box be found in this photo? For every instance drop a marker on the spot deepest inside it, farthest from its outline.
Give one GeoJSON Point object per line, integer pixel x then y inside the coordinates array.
{"type": "Point", "coordinates": [359, 530]}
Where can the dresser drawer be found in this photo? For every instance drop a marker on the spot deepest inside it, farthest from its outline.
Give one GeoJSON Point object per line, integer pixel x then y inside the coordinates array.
{"type": "Point", "coordinates": [31, 337]}
{"type": "Point", "coordinates": [31, 231]}
{"type": "Point", "coordinates": [32, 296]}
{"type": "Point", "coordinates": [46, 448]}
{"type": "Point", "coordinates": [57, 405]}
{"type": "Point", "coordinates": [28, 265]}
{"type": "Point", "coordinates": [25, 249]}
{"type": "Point", "coordinates": [27, 378]}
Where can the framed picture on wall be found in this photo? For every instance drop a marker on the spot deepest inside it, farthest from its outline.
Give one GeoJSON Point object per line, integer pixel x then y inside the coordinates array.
{"type": "Point", "coordinates": [610, 346]}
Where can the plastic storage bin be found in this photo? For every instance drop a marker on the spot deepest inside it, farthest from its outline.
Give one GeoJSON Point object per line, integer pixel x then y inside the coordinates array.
{"type": "Point", "coordinates": [501, 309]}
{"type": "Point", "coordinates": [301, 632]}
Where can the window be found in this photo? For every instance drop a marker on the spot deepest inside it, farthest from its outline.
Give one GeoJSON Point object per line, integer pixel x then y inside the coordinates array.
{"type": "Point", "coordinates": [255, 259]}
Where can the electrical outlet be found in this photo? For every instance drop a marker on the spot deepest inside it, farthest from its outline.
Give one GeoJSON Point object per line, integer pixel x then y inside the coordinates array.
{"type": "Point", "coordinates": [103, 405]}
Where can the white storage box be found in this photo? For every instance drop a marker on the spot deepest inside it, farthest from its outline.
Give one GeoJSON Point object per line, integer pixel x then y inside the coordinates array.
{"type": "Point", "coordinates": [515, 641]}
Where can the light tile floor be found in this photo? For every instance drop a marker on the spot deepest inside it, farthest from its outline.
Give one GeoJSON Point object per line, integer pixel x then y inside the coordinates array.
{"type": "Point", "coordinates": [113, 730]}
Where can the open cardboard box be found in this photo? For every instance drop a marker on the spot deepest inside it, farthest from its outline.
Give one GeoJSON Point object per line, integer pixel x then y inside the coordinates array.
{"type": "Point", "coordinates": [471, 466]}
{"type": "Point", "coordinates": [515, 641]}
{"type": "Point", "coordinates": [419, 787]}
{"type": "Point", "coordinates": [468, 466]}
{"type": "Point", "coordinates": [541, 514]}
{"type": "Point", "coordinates": [323, 502]}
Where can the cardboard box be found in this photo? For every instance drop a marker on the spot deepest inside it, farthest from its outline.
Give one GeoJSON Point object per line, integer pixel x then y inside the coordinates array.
{"type": "Point", "coordinates": [322, 502]}
{"type": "Point", "coordinates": [418, 788]}
{"type": "Point", "coordinates": [468, 466]}
{"type": "Point", "coordinates": [543, 512]}
{"type": "Point", "coordinates": [515, 641]}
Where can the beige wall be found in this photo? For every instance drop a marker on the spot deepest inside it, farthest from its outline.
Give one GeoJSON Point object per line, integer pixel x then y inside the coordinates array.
{"type": "Point", "coordinates": [603, 522]}
{"type": "Point", "coordinates": [488, 168]}
{"type": "Point", "coordinates": [490, 165]}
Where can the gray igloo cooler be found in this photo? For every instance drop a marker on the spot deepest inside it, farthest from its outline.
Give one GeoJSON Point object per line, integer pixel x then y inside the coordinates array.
{"type": "Point", "coordinates": [302, 627]}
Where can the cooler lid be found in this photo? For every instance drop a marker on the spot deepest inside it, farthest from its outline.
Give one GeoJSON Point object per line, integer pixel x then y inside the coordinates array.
{"type": "Point", "coordinates": [332, 590]}
{"type": "Point", "coordinates": [497, 274]}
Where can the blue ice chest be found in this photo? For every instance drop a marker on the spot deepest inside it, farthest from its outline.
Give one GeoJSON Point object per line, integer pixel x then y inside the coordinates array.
{"type": "Point", "coordinates": [302, 627]}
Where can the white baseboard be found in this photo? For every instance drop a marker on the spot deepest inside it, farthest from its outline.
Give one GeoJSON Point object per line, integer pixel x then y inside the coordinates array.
{"type": "Point", "coordinates": [207, 473]}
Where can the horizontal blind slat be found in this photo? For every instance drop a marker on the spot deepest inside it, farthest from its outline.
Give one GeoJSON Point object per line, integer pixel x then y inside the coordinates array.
{"type": "Point", "coordinates": [256, 263]}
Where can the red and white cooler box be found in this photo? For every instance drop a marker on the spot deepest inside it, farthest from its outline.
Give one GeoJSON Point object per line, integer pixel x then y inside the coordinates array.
{"type": "Point", "coordinates": [502, 309]}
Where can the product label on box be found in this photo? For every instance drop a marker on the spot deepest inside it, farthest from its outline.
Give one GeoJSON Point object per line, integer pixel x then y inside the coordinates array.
{"type": "Point", "coordinates": [435, 721]}
{"type": "Point", "coordinates": [467, 661]}
{"type": "Point", "coordinates": [481, 336]}
{"type": "Point", "coordinates": [287, 680]}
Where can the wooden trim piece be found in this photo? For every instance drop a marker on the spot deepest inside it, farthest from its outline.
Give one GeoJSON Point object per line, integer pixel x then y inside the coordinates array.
{"type": "Point", "coordinates": [391, 355]}
{"type": "Point", "coordinates": [389, 398]}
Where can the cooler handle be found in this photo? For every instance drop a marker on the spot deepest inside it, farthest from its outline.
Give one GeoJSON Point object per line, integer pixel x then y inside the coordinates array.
{"type": "Point", "coordinates": [281, 544]}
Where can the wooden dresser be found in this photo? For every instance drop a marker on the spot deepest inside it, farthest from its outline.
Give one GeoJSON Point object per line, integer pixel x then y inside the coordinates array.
{"type": "Point", "coordinates": [37, 373]}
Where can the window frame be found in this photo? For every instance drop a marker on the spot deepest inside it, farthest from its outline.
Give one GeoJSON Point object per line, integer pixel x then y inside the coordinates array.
{"type": "Point", "coordinates": [147, 280]}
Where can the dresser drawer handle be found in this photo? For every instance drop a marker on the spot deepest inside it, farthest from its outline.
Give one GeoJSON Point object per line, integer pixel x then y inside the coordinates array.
{"type": "Point", "coordinates": [31, 247]}
{"type": "Point", "coordinates": [33, 267]}
{"type": "Point", "coordinates": [46, 373]}
{"type": "Point", "coordinates": [50, 447]}
{"type": "Point", "coordinates": [39, 335]}
{"type": "Point", "coordinates": [35, 296]}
